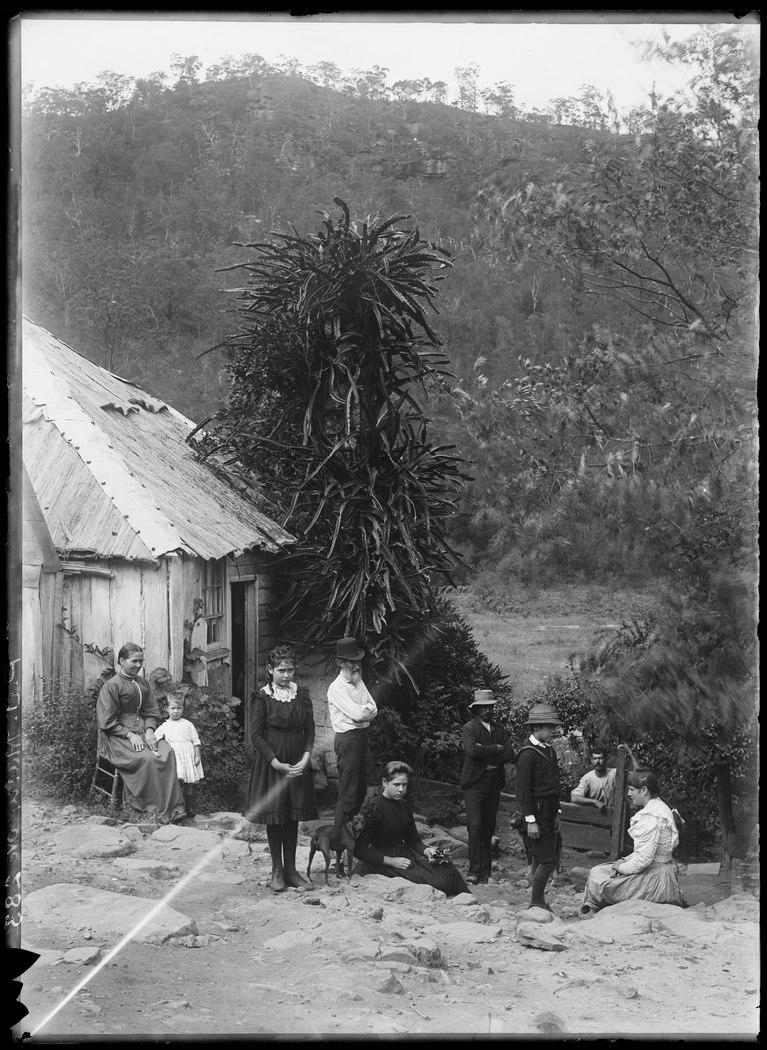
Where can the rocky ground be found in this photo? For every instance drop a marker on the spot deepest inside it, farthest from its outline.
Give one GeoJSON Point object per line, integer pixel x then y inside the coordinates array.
{"type": "Point", "coordinates": [373, 955]}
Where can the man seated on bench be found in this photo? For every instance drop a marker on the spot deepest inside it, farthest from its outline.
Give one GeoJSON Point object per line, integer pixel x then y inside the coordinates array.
{"type": "Point", "coordinates": [596, 787]}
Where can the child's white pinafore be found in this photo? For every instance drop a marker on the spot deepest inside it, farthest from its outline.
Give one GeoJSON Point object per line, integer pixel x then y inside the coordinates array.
{"type": "Point", "coordinates": [182, 737]}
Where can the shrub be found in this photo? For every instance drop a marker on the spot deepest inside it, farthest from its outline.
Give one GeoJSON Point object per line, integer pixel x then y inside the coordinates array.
{"type": "Point", "coordinates": [424, 728]}
{"type": "Point", "coordinates": [60, 734]}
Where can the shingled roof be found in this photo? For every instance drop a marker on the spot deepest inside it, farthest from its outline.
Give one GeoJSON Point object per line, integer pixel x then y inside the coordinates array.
{"type": "Point", "coordinates": [112, 470]}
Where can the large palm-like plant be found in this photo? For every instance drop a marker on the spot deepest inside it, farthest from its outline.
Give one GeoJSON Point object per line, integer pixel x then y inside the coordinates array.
{"type": "Point", "coordinates": [333, 352]}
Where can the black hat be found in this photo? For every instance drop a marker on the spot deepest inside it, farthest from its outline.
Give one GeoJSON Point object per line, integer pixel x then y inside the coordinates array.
{"type": "Point", "coordinates": [347, 649]}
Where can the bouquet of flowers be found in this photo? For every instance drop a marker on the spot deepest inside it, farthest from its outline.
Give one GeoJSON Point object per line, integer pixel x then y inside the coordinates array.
{"type": "Point", "coordinates": [440, 855]}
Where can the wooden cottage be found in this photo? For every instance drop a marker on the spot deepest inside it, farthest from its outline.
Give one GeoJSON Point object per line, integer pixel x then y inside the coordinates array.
{"type": "Point", "coordinates": [144, 542]}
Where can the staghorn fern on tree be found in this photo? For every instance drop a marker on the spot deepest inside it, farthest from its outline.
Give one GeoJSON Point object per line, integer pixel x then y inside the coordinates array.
{"type": "Point", "coordinates": [333, 350]}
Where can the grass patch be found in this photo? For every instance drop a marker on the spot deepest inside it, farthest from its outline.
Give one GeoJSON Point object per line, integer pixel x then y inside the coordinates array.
{"type": "Point", "coordinates": [534, 636]}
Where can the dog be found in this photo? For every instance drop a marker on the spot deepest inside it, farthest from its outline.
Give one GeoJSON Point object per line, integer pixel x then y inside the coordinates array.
{"type": "Point", "coordinates": [323, 841]}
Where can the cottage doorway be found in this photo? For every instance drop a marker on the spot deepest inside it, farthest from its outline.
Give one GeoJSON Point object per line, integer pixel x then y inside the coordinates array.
{"type": "Point", "coordinates": [244, 598]}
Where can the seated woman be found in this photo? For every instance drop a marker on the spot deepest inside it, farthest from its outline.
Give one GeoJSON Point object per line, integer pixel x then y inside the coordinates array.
{"type": "Point", "coordinates": [389, 843]}
{"type": "Point", "coordinates": [648, 873]}
{"type": "Point", "coordinates": [127, 715]}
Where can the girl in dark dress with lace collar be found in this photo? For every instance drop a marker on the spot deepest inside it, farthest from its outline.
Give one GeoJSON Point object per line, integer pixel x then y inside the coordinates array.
{"type": "Point", "coordinates": [390, 845]}
{"type": "Point", "coordinates": [281, 789]}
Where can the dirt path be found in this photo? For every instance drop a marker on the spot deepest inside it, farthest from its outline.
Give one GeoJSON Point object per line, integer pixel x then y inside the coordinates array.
{"type": "Point", "coordinates": [365, 958]}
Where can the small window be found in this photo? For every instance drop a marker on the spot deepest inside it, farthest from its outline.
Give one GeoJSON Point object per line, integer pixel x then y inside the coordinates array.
{"type": "Point", "coordinates": [213, 598]}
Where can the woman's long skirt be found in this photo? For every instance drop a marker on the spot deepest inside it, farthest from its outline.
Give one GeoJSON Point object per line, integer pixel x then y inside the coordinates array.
{"type": "Point", "coordinates": [273, 798]}
{"type": "Point", "coordinates": [657, 883]}
{"type": "Point", "coordinates": [445, 877]}
{"type": "Point", "coordinates": [151, 782]}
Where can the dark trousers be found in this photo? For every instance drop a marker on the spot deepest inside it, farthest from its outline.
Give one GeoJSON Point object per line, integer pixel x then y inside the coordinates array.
{"type": "Point", "coordinates": [543, 852]}
{"type": "Point", "coordinates": [482, 798]}
{"type": "Point", "coordinates": [351, 750]}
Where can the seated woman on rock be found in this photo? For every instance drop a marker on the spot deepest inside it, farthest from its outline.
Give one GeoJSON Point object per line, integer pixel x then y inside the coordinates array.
{"type": "Point", "coordinates": [127, 715]}
{"type": "Point", "coordinates": [390, 844]}
{"type": "Point", "coordinates": [648, 873]}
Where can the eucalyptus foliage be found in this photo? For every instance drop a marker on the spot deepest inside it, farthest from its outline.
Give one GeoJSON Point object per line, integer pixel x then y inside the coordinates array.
{"type": "Point", "coordinates": [645, 431]}
{"type": "Point", "coordinates": [333, 352]}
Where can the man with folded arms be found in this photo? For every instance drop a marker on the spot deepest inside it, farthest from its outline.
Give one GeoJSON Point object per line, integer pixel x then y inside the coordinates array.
{"type": "Point", "coordinates": [352, 709]}
{"type": "Point", "coordinates": [486, 748]}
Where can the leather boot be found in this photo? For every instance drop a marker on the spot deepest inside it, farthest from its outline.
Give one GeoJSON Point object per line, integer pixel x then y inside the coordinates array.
{"type": "Point", "coordinates": [292, 878]}
{"type": "Point", "coordinates": [289, 843]}
{"type": "Point", "coordinates": [277, 884]}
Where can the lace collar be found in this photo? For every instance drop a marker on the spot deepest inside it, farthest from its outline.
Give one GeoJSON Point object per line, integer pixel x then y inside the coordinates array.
{"type": "Point", "coordinates": [283, 695]}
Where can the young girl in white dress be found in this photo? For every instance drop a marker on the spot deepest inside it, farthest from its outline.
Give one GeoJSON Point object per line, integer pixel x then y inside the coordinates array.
{"type": "Point", "coordinates": [183, 738]}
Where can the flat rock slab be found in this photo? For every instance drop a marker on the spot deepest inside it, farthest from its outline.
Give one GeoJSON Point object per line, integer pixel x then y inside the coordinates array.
{"type": "Point", "coordinates": [223, 877]}
{"type": "Point", "coordinates": [740, 907]}
{"type": "Point", "coordinates": [464, 900]}
{"type": "Point", "coordinates": [466, 933]}
{"type": "Point", "coordinates": [650, 909]}
{"type": "Point", "coordinates": [426, 952]}
{"type": "Point", "coordinates": [224, 820]}
{"type": "Point", "coordinates": [361, 953]}
{"type": "Point", "coordinates": [397, 953]}
{"type": "Point", "coordinates": [291, 940]}
{"type": "Point", "coordinates": [535, 915]}
{"type": "Point", "coordinates": [608, 930]}
{"type": "Point", "coordinates": [533, 935]}
{"type": "Point", "coordinates": [146, 866]}
{"type": "Point", "coordinates": [459, 832]}
{"type": "Point", "coordinates": [342, 934]}
{"type": "Point", "coordinates": [415, 893]}
{"type": "Point", "coordinates": [65, 908]}
{"type": "Point", "coordinates": [194, 842]}
{"type": "Point", "coordinates": [93, 840]}
{"type": "Point", "coordinates": [378, 883]}
{"type": "Point", "coordinates": [84, 956]}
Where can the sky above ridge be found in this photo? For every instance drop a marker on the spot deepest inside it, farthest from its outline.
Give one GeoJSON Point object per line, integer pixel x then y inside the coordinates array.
{"type": "Point", "coordinates": [543, 60]}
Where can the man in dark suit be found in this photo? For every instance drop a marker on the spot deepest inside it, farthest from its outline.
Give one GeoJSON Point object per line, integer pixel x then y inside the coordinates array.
{"type": "Point", "coordinates": [486, 747]}
{"type": "Point", "coordinates": [538, 797]}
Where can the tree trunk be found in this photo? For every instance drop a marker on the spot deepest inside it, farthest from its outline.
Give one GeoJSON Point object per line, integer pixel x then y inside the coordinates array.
{"type": "Point", "coordinates": [726, 819]}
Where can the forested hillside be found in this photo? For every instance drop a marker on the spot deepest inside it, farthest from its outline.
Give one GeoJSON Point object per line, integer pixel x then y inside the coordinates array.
{"type": "Point", "coordinates": [135, 192]}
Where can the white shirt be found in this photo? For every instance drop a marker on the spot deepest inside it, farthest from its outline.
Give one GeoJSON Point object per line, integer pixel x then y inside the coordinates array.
{"type": "Point", "coordinates": [350, 706]}
{"type": "Point", "coordinates": [591, 785]}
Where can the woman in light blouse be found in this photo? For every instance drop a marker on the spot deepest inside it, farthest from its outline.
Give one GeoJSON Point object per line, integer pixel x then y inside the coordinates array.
{"type": "Point", "coordinates": [649, 872]}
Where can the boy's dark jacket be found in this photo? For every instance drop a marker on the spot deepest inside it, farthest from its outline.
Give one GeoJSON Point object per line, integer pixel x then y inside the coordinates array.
{"type": "Point", "coordinates": [537, 776]}
{"type": "Point", "coordinates": [483, 749]}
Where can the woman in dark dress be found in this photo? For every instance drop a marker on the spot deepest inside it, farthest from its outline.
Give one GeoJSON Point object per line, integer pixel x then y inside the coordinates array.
{"type": "Point", "coordinates": [390, 845]}
{"type": "Point", "coordinates": [128, 714]}
{"type": "Point", "coordinates": [281, 789]}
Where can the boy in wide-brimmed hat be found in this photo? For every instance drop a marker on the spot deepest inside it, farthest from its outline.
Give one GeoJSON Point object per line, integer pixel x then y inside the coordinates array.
{"type": "Point", "coordinates": [538, 796]}
{"type": "Point", "coordinates": [486, 748]}
{"type": "Point", "coordinates": [352, 709]}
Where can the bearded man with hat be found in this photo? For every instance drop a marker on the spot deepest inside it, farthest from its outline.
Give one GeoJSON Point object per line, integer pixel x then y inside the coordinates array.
{"type": "Point", "coordinates": [351, 709]}
{"type": "Point", "coordinates": [538, 796]}
{"type": "Point", "coordinates": [486, 748]}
